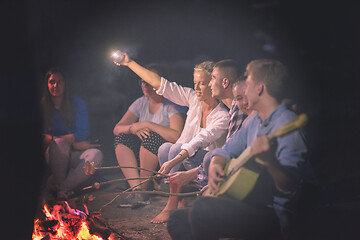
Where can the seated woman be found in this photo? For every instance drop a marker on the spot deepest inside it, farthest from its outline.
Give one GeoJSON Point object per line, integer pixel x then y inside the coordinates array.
{"type": "Point", "coordinates": [199, 174]}
{"type": "Point", "coordinates": [148, 123]}
{"type": "Point", "coordinates": [66, 134]}
{"type": "Point", "coordinates": [205, 126]}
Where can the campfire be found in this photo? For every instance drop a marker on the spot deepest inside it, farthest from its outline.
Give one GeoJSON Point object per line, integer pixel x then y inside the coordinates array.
{"type": "Point", "coordinates": [63, 222]}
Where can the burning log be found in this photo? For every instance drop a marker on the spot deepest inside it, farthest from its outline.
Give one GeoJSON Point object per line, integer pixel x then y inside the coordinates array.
{"type": "Point", "coordinates": [63, 222]}
{"type": "Point", "coordinates": [98, 230]}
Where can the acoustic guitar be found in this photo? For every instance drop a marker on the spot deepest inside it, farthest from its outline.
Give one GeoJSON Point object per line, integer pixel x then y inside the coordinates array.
{"type": "Point", "coordinates": [241, 173]}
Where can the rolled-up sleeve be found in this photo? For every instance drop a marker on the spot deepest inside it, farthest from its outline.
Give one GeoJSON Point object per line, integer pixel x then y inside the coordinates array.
{"type": "Point", "coordinates": [176, 93]}
{"type": "Point", "coordinates": [205, 137]}
{"type": "Point", "coordinates": [234, 146]}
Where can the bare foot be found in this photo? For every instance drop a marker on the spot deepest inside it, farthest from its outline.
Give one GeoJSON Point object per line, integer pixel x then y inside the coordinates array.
{"type": "Point", "coordinates": [162, 217]}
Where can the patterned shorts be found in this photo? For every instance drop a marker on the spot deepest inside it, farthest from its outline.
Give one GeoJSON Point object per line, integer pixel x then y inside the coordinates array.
{"type": "Point", "coordinates": [151, 143]}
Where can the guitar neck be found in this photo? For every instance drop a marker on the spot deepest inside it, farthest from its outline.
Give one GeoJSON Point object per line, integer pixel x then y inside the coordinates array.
{"type": "Point", "coordinates": [241, 160]}
{"type": "Point", "coordinates": [292, 125]}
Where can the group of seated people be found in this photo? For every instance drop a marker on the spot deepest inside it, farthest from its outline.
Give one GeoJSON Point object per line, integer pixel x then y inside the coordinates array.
{"type": "Point", "coordinates": [189, 135]}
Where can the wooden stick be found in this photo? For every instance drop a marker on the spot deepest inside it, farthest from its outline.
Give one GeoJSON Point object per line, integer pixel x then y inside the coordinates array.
{"type": "Point", "coordinates": [154, 192]}
{"type": "Point", "coordinates": [97, 184]}
{"type": "Point", "coordinates": [127, 190]}
{"type": "Point", "coordinates": [90, 168]}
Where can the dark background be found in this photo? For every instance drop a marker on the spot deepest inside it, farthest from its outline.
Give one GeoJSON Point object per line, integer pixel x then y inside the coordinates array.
{"type": "Point", "coordinates": [317, 41]}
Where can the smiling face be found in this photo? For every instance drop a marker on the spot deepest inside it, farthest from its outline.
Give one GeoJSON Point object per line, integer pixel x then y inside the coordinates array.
{"type": "Point", "coordinates": [56, 85]}
{"type": "Point", "coordinates": [240, 98]}
{"type": "Point", "coordinates": [252, 92]}
{"type": "Point", "coordinates": [201, 85]}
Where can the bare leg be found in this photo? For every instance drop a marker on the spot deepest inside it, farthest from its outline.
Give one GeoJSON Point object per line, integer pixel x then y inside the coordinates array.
{"type": "Point", "coordinates": [148, 161]}
{"type": "Point", "coordinates": [126, 158]}
{"type": "Point", "coordinates": [171, 205]}
{"type": "Point", "coordinates": [181, 179]}
{"type": "Point", "coordinates": [182, 203]}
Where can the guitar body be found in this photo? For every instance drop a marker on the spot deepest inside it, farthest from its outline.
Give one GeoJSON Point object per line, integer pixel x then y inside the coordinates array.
{"type": "Point", "coordinates": [242, 172]}
{"type": "Point", "coordinates": [239, 184]}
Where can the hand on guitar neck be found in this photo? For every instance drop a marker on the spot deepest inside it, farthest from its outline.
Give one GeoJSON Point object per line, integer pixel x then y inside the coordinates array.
{"type": "Point", "coordinates": [264, 150]}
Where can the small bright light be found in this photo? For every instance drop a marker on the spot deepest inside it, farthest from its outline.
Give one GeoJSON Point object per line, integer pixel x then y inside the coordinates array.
{"type": "Point", "coordinates": [115, 55]}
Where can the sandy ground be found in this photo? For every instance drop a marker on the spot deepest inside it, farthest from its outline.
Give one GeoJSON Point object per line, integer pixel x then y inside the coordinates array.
{"type": "Point", "coordinates": [337, 220]}
{"type": "Point", "coordinates": [130, 223]}
{"type": "Point", "coordinates": [125, 223]}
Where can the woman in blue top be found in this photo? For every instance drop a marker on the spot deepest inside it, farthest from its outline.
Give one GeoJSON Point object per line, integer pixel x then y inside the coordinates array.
{"type": "Point", "coordinates": [66, 134]}
{"type": "Point", "coordinates": [148, 123]}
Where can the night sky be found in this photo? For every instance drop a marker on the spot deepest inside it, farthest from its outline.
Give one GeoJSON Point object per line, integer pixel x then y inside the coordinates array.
{"type": "Point", "coordinates": [318, 42]}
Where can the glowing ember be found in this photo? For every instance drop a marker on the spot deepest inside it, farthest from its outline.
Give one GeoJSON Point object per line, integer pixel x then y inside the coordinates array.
{"type": "Point", "coordinates": [64, 223]}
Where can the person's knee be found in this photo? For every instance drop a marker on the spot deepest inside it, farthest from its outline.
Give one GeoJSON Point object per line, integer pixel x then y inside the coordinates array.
{"type": "Point", "coordinates": [174, 150]}
{"type": "Point", "coordinates": [201, 207]}
{"type": "Point", "coordinates": [93, 155]}
{"type": "Point", "coordinates": [178, 225]}
{"type": "Point", "coordinates": [173, 221]}
{"type": "Point", "coordinates": [163, 152]}
{"type": "Point", "coordinates": [60, 144]}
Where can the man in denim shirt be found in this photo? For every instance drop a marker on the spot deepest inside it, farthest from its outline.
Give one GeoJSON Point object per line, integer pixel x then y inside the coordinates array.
{"type": "Point", "coordinates": [270, 209]}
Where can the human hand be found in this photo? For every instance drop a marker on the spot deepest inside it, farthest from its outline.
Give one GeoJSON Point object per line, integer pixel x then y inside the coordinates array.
{"type": "Point", "coordinates": [47, 139]}
{"type": "Point", "coordinates": [216, 175]}
{"type": "Point", "coordinates": [166, 167]}
{"type": "Point", "coordinates": [121, 58]}
{"type": "Point", "coordinates": [137, 126]}
{"type": "Point", "coordinates": [203, 190]}
{"type": "Point", "coordinates": [143, 133]}
{"type": "Point", "coordinates": [179, 178]}
{"type": "Point", "coordinates": [262, 150]}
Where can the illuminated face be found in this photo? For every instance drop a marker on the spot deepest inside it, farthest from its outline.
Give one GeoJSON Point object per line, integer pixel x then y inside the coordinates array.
{"type": "Point", "coordinates": [147, 89]}
{"type": "Point", "coordinates": [216, 83]}
{"type": "Point", "coordinates": [56, 84]}
{"type": "Point", "coordinates": [201, 85]}
{"type": "Point", "coordinates": [251, 92]}
{"type": "Point", "coordinates": [240, 98]}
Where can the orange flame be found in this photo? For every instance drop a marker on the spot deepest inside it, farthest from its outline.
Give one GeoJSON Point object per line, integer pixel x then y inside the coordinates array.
{"type": "Point", "coordinates": [67, 227]}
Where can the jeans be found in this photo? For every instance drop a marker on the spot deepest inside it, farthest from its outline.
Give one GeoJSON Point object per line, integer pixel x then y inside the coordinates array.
{"type": "Point", "coordinates": [62, 158]}
{"type": "Point", "coordinates": [213, 218]}
{"type": "Point", "coordinates": [168, 151]}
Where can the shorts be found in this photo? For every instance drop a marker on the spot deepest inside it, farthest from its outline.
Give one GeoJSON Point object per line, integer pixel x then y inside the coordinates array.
{"type": "Point", "coordinates": [151, 143]}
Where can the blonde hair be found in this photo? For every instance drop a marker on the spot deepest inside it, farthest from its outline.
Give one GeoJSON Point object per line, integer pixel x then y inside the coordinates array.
{"type": "Point", "coordinates": [206, 67]}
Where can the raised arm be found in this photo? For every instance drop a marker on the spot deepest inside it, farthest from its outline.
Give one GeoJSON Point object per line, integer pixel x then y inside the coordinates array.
{"type": "Point", "coordinates": [148, 76]}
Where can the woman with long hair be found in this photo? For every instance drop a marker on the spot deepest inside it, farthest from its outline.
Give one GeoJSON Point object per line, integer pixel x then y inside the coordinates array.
{"type": "Point", "coordinates": [205, 126]}
{"type": "Point", "coordinates": [148, 123]}
{"type": "Point", "coordinates": [66, 134]}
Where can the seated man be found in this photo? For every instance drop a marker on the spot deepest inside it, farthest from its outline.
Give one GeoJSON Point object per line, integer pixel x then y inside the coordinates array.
{"type": "Point", "coordinates": [270, 209]}
{"type": "Point", "coordinates": [223, 76]}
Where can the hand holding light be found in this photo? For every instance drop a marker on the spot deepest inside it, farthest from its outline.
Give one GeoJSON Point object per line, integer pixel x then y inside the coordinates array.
{"type": "Point", "coordinates": [120, 58]}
